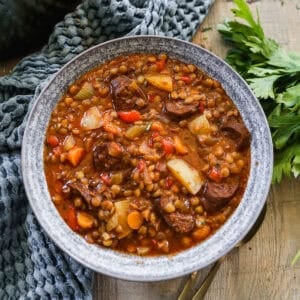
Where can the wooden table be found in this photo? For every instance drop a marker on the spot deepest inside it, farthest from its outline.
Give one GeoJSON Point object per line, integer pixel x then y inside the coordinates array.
{"type": "Point", "coordinates": [262, 268]}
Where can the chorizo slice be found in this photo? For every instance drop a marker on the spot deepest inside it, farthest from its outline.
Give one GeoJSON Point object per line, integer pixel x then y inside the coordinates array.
{"type": "Point", "coordinates": [126, 94]}
{"type": "Point", "coordinates": [179, 221]}
{"type": "Point", "coordinates": [108, 156]}
{"type": "Point", "coordinates": [180, 110]}
{"type": "Point", "coordinates": [217, 195]}
{"type": "Point", "coordinates": [237, 131]}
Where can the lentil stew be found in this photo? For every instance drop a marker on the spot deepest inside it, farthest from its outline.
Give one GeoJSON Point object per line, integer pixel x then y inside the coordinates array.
{"type": "Point", "coordinates": [146, 155]}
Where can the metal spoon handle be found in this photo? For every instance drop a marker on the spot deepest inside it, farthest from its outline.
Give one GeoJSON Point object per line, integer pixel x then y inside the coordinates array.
{"type": "Point", "coordinates": [187, 287]}
{"type": "Point", "coordinates": [207, 281]}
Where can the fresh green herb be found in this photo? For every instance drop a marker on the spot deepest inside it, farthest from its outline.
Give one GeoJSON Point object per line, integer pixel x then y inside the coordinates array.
{"type": "Point", "coordinates": [148, 126]}
{"type": "Point", "coordinates": [296, 258]}
{"type": "Point", "coordinates": [274, 76]}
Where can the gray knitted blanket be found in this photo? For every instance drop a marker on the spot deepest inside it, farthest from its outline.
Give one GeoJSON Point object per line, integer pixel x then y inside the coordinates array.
{"type": "Point", "coordinates": [31, 266]}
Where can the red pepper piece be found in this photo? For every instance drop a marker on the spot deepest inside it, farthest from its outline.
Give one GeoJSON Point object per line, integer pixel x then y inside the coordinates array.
{"type": "Point", "coordinates": [154, 243]}
{"type": "Point", "coordinates": [186, 79]}
{"type": "Point", "coordinates": [168, 146]}
{"type": "Point", "coordinates": [52, 140]}
{"type": "Point", "coordinates": [105, 178]}
{"type": "Point", "coordinates": [151, 97]}
{"type": "Point", "coordinates": [129, 116]}
{"type": "Point", "coordinates": [151, 139]}
{"type": "Point", "coordinates": [215, 174]}
{"type": "Point", "coordinates": [168, 182]}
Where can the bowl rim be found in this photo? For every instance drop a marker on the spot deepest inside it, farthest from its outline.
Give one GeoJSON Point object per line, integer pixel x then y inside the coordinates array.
{"type": "Point", "coordinates": [126, 274]}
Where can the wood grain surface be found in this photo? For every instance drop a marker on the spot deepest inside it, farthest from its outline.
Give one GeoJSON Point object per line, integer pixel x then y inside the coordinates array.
{"type": "Point", "coordinates": [262, 268]}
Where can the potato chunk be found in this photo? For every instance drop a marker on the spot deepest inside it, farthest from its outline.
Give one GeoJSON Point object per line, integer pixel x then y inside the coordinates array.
{"type": "Point", "coordinates": [187, 175]}
{"type": "Point", "coordinates": [199, 125]}
{"type": "Point", "coordinates": [161, 81]}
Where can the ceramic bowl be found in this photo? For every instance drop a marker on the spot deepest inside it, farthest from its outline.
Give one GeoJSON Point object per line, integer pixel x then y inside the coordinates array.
{"type": "Point", "coordinates": [130, 267]}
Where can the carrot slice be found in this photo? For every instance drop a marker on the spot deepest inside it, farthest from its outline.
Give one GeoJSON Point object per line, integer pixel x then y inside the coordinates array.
{"type": "Point", "coordinates": [160, 64]}
{"type": "Point", "coordinates": [85, 220]}
{"type": "Point", "coordinates": [71, 219]}
{"type": "Point", "coordinates": [134, 220]}
{"type": "Point", "coordinates": [111, 128]}
{"type": "Point", "coordinates": [157, 126]}
{"type": "Point", "coordinates": [201, 233]}
{"type": "Point", "coordinates": [75, 156]}
{"type": "Point", "coordinates": [179, 146]}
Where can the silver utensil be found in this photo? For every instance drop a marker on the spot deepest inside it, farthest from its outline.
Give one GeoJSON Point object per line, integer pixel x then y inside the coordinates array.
{"type": "Point", "coordinates": [201, 292]}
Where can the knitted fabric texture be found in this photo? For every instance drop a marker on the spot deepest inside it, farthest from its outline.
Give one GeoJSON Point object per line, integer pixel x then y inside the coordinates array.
{"type": "Point", "coordinates": [31, 265]}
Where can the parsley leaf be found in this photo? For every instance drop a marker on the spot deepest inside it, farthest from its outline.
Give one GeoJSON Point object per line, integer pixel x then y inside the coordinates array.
{"type": "Point", "coordinates": [289, 62]}
{"type": "Point", "coordinates": [274, 76]}
{"type": "Point", "coordinates": [263, 86]}
{"type": "Point", "coordinates": [286, 128]}
{"type": "Point", "coordinates": [287, 162]}
{"type": "Point", "coordinates": [290, 98]}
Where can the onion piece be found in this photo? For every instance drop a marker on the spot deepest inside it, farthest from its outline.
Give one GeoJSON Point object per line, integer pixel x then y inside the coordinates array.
{"type": "Point", "coordinates": [85, 92]}
{"type": "Point", "coordinates": [120, 218]}
{"type": "Point", "coordinates": [69, 142]}
{"type": "Point", "coordinates": [91, 119]}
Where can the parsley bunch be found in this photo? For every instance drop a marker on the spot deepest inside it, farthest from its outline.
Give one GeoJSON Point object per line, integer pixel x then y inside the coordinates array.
{"type": "Point", "coordinates": [274, 76]}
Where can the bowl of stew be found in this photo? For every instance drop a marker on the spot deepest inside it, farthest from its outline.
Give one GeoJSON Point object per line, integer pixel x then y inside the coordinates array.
{"type": "Point", "coordinates": [146, 158]}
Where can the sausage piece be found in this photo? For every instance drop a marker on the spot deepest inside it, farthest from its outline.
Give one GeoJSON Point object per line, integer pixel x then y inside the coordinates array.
{"type": "Point", "coordinates": [83, 190]}
{"type": "Point", "coordinates": [109, 156]}
{"type": "Point", "coordinates": [180, 222]}
{"type": "Point", "coordinates": [217, 195]}
{"type": "Point", "coordinates": [126, 94]}
{"type": "Point", "coordinates": [237, 131]}
{"type": "Point", "coordinates": [180, 110]}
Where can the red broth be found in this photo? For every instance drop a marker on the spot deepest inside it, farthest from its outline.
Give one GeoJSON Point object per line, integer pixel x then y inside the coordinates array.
{"type": "Point", "coordinates": [146, 155]}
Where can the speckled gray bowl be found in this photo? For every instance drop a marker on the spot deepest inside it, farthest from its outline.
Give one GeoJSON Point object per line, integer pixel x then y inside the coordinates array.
{"type": "Point", "coordinates": [148, 268]}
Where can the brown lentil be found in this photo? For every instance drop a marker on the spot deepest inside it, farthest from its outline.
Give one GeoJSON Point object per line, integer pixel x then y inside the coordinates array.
{"type": "Point", "coordinates": [135, 179]}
